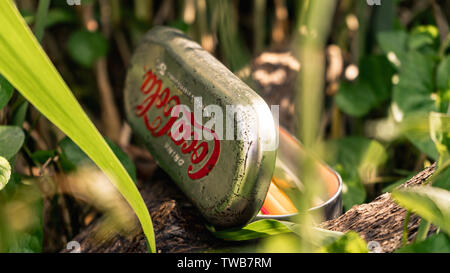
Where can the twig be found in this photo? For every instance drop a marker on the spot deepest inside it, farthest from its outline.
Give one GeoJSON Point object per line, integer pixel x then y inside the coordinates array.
{"type": "Point", "coordinates": [41, 17]}
{"type": "Point", "coordinates": [441, 21]}
{"type": "Point", "coordinates": [122, 45]}
{"type": "Point", "coordinates": [110, 114]}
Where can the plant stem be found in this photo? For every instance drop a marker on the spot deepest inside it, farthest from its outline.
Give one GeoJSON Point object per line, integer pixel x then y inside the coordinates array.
{"type": "Point", "coordinates": [143, 10]}
{"type": "Point", "coordinates": [405, 228]}
{"type": "Point", "coordinates": [41, 19]}
{"type": "Point", "coordinates": [259, 12]}
{"type": "Point", "coordinates": [422, 233]}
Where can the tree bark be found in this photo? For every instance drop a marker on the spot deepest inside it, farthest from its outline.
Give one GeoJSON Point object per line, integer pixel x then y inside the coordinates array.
{"type": "Point", "coordinates": [382, 220]}
{"type": "Point", "coordinates": [180, 228]}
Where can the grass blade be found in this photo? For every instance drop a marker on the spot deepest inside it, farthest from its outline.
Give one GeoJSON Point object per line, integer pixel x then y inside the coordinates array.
{"type": "Point", "coordinates": [26, 66]}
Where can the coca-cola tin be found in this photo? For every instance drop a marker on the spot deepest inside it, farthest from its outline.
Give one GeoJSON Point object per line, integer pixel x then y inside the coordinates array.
{"type": "Point", "coordinates": [214, 136]}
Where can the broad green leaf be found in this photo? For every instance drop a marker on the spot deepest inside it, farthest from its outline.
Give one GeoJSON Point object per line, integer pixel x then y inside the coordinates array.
{"type": "Point", "coordinates": [424, 38]}
{"type": "Point", "coordinates": [432, 204]}
{"type": "Point", "coordinates": [73, 153]}
{"type": "Point", "coordinates": [443, 85]}
{"type": "Point", "coordinates": [377, 72]}
{"type": "Point", "coordinates": [77, 157]}
{"type": "Point", "coordinates": [60, 16]}
{"type": "Point", "coordinates": [357, 160]}
{"type": "Point", "coordinates": [436, 243]}
{"type": "Point", "coordinates": [353, 191]}
{"type": "Point", "coordinates": [270, 227]}
{"type": "Point", "coordinates": [124, 159]}
{"type": "Point", "coordinates": [42, 156]}
{"type": "Point", "coordinates": [6, 91]}
{"type": "Point", "coordinates": [413, 96]}
{"type": "Point", "coordinates": [11, 140]}
{"type": "Point", "coordinates": [416, 84]}
{"type": "Point", "coordinates": [355, 99]}
{"type": "Point", "coordinates": [442, 180]}
{"type": "Point", "coordinates": [443, 74]}
{"type": "Point", "coordinates": [395, 184]}
{"type": "Point", "coordinates": [424, 143]}
{"type": "Point", "coordinates": [26, 66]}
{"type": "Point", "coordinates": [350, 242]}
{"type": "Point", "coordinates": [257, 229]}
{"type": "Point", "coordinates": [372, 87]}
{"type": "Point", "coordinates": [86, 47]}
{"type": "Point", "coordinates": [5, 172]}
{"type": "Point", "coordinates": [393, 42]}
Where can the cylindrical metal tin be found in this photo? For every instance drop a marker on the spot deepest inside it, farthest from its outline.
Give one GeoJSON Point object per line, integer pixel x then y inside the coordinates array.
{"type": "Point", "coordinates": [208, 130]}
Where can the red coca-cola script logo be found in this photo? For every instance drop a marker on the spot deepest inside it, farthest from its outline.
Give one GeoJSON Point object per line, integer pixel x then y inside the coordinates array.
{"type": "Point", "coordinates": [183, 137]}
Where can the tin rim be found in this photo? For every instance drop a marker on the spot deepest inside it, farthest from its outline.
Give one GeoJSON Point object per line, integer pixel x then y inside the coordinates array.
{"type": "Point", "coordinates": [329, 202]}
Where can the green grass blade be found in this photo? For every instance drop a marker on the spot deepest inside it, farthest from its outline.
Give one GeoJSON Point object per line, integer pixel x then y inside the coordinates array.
{"type": "Point", "coordinates": [26, 66]}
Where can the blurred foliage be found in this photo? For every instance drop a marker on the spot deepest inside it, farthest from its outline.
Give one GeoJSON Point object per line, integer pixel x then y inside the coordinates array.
{"type": "Point", "coordinates": [357, 160]}
{"type": "Point", "coordinates": [74, 156]}
{"type": "Point", "coordinates": [382, 118]}
{"type": "Point", "coordinates": [86, 47]}
{"type": "Point", "coordinates": [437, 243]}
{"type": "Point", "coordinates": [351, 242]}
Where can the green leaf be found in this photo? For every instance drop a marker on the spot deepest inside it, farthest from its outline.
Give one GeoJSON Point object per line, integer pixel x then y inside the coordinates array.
{"type": "Point", "coordinates": [442, 180]}
{"type": "Point", "coordinates": [416, 84]}
{"type": "Point", "coordinates": [254, 230]}
{"type": "Point", "coordinates": [5, 172]}
{"type": "Point", "coordinates": [42, 156]}
{"type": "Point", "coordinates": [372, 87]}
{"type": "Point", "coordinates": [432, 204]}
{"type": "Point", "coordinates": [60, 16]}
{"type": "Point", "coordinates": [124, 159]}
{"type": "Point", "coordinates": [350, 242]}
{"type": "Point", "coordinates": [86, 47]}
{"type": "Point", "coordinates": [436, 243]}
{"type": "Point", "coordinates": [269, 227]}
{"type": "Point", "coordinates": [353, 191]}
{"type": "Point", "coordinates": [395, 184]}
{"type": "Point", "coordinates": [424, 143]}
{"type": "Point", "coordinates": [73, 153]}
{"type": "Point", "coordinates": [26, 66]}
{"type": "Point", "coordinates": [393, 41]}
{"type": "Point", "coordinates": [77, 157]}
{"type": "Point", "coordinates": [357, 159]}
{"type": "Point", "coordinates": [443, 84]}
{"type": "Point", "coordinates": [11, 140]}
{"type": "Point", "coordinates": [424, 38]}
{"type": "Point", "coordinates": [6, 91]}
{"type": "Point", "coordinates": [440, 134]}
{"type": "Point", "coordinates": [355, 99]}
{"type": "Point", "coordinates": [19, 114]}
{"type": "Point", "coordinates": [377, 72]}
{"type": "Point", "coordinates": [443, 74]}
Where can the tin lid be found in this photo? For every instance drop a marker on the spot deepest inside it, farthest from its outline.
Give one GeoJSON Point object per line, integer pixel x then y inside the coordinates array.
{"type": "Point", "coordinates": [206, 128]}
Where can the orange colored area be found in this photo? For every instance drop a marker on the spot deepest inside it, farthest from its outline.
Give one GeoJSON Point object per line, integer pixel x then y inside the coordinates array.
{"type": "Point", "coordinates": [277, 202]}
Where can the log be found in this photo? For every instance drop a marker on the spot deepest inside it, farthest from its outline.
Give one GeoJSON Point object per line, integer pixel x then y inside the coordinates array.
{"type": "Point", "coordinates": [382, 220]}
{"type": "Point", "coordinates": [180, 228]}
